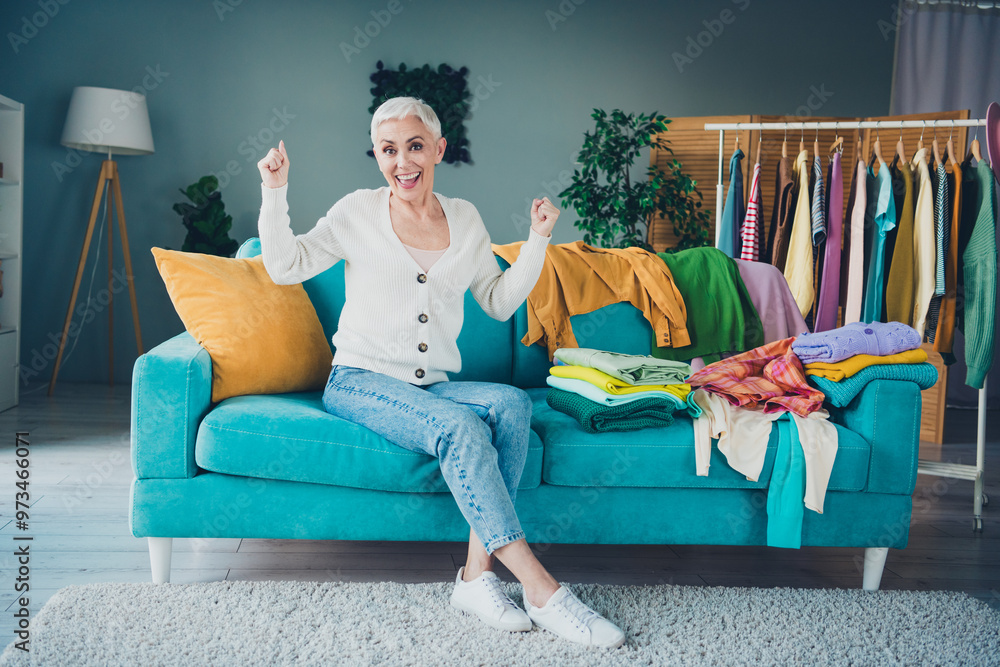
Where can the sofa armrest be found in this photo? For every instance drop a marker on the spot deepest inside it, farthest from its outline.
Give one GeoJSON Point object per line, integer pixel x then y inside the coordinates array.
{"type": "Point", "coordinates": [887, 414]}
{"type": "Point", "coordinates": [171, 393]}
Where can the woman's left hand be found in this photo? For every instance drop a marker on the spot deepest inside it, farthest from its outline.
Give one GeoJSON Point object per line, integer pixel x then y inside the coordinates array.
{"type": "Point", "coordinates": [543, 216]}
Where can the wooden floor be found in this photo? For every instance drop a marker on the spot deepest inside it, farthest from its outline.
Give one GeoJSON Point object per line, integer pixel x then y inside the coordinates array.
{"type": "Point", "coordinates": [81, 471]}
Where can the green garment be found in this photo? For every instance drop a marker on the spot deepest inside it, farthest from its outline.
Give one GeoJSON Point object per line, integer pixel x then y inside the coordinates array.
{"type": "Point", "coordinates": [634, 369]}
{"type": "Point", "coordinates": [720, 315]}
{"type": "Point", "coordinates": [596, 418]}
{"type": "Point", "coordinates": [980, 273]}
{"type": "Point", "coordinates": [786, 490]}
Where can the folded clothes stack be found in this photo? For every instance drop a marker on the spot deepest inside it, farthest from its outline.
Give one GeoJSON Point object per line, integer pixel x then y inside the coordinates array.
{"type": "Point", "coordinates": [609, 391]}
{"type": "Point", "coordinates": [840, 362]}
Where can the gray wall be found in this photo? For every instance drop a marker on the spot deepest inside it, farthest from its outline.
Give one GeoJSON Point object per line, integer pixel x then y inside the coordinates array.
{"type": "Point", "coordinates": [222, 75]}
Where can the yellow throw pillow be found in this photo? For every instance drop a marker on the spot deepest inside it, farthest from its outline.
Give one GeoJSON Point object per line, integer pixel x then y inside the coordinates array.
{"type": "Point", "coordinates": [263, 338]}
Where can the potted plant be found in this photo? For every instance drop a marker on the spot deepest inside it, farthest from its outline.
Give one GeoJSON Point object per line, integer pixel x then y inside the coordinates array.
{"type": "Point", "coordinates": [206, 219]}
{"type": "Point", "coordinates": [613, 211]}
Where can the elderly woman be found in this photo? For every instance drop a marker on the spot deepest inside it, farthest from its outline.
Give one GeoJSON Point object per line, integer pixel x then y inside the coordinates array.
{"type": "Point", "coordinates": [410, 256]}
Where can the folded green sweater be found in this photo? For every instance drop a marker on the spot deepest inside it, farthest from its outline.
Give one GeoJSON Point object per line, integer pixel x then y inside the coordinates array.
{"type": "Point", "coordinates": [839, 394]}
{"type": "Point", "coordinates": [595, 418]}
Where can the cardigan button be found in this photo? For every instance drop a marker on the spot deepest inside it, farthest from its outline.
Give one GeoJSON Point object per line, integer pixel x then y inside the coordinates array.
{"type": "Point", "coordinates": [419, 372]}
{"type": "Point", "coordinates": [421, 277]}
{"type": "Point", "coordinates": [422, 318]}
{"type": "Point", "coordinates": [422, 347]}
{"type": "Point", "coordinates": [869, 332]}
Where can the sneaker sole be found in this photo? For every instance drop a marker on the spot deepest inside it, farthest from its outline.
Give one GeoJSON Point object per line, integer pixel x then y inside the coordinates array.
{"type": "Point", "coordinates": [615, 645]}
{"type": "Point", "coordinates": [488, 621]}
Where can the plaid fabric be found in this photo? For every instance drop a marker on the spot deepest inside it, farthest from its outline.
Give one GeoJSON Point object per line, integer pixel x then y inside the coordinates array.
{"type": "Point", "coordinates": [769, 376]}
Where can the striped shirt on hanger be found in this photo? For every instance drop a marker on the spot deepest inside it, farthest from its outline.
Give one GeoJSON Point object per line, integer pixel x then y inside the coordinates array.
{"type": "Point", "coordinates": [942, 201]}
{"type": "Point", "coordinates": [750, 234]}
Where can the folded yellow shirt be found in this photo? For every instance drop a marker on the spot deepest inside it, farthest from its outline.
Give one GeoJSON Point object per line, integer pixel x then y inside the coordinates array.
{"type": "Point", "coordinates": [613, 385]}
{"type": "Point", "coordinates": [851, 365]}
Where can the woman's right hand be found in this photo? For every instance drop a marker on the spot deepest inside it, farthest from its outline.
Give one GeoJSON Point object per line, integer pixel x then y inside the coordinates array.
{"type": "Point", "coordinates": [274, 167]}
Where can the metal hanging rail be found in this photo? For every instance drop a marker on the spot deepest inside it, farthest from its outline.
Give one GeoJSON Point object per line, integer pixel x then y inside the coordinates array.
{"type": "Point", "coordinates": [973, 473]}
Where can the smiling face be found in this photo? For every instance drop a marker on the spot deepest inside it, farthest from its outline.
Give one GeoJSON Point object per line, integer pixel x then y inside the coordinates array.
{"type": "Point", "coordinates": [406, 152]}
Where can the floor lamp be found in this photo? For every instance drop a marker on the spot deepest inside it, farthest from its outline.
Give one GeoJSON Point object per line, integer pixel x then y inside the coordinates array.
{"type": "Point", "coordinates": [103, 120]}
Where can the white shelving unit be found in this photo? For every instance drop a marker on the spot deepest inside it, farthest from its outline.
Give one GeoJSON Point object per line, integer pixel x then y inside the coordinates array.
{"type": "Point", "coordinates": [11, 218]}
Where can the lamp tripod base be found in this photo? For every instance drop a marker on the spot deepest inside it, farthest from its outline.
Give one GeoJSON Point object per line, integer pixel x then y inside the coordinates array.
{"type": "Point", "coordinates": [109, 173]}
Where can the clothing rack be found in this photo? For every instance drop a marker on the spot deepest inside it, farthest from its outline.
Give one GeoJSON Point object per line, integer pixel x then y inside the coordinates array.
{"type": "Point", "coordinates": [973, 473]}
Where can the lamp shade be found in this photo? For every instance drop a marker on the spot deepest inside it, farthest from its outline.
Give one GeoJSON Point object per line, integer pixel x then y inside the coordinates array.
{"type": "Point", "coordinates": [104, 120]}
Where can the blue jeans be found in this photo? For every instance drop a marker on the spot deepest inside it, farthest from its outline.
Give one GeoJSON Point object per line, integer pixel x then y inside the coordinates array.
{"type": "Point", "coordinates": [478, 431]}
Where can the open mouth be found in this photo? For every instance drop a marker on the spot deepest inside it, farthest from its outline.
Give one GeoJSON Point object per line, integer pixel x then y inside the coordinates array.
{"type": "Point", "coordinates": [408, 181]}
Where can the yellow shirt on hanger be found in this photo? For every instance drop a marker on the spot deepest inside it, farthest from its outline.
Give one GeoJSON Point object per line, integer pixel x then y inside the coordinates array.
{"type": "Point", "coordinates": [799, 265]}
{"type": "Point", "coordinates": [924, 243]}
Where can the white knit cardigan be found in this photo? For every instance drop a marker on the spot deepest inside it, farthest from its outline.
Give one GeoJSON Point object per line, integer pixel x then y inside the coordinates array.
{"type": "Point", "coordinates": [397, 319]}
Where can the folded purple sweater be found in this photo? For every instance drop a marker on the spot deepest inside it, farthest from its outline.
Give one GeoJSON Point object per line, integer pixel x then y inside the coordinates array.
{"type": "Point", "coordinates": [875, 338]}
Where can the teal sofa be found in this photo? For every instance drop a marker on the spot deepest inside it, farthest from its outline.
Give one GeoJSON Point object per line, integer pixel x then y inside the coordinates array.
{"type": "Point", "coordinates": [279, 466]}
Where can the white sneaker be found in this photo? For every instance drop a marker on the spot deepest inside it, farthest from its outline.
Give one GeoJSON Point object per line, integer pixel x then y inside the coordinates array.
{"type": "Point", "coordinates": [484, 596]}
{"type": "Point", "coordinates": [569, 618]}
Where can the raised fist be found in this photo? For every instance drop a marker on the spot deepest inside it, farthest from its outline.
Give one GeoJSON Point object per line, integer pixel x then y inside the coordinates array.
{"type": "Point", "coordinates": [543, 216]}
{"type": "Point", "coordinates": [274, 167]}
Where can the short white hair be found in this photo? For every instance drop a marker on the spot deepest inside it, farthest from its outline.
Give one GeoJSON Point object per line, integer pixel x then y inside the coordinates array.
{"type": "Point", "coordinates": [401, 107]}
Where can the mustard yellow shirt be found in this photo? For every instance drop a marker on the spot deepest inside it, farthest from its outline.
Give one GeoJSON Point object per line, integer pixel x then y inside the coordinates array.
{"type": "Point", "coordinates": [852, 365]}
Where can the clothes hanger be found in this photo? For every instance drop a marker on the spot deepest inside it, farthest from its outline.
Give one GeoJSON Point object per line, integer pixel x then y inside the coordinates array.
{"type": "Point", "coordinates": [937, 147]}
{"type": "Point", "coordinates": [737, 147]}
{"type": "Point", "coordinates": [802, 139]}
{"type": "Point", "coordinates": [974, 150]}
{"type": "Point", "coordinates": [838, 141]}
{"type": "Point", "coordinates": [920, 142]}
{"type": "Point", "coordinates": [760, 140]}
{"type": "Point", "coordinates": [877, 148]}
{"type": "Point", "coordinates": [816, 144]}
{"type": "Point", "coordinates": [784, 143]}
{"type": "Point", "coordinates": [950, 146]}
{"type": "Point", "coordinates": [900, 149]}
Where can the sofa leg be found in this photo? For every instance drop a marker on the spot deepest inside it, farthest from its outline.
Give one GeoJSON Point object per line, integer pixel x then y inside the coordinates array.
{"type": "Point", "coordinates": [159, 558]}
{"type": "Point", "coordinates": [874, 563]}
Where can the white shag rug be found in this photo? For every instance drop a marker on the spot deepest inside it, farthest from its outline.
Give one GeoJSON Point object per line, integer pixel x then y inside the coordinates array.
{"type": "Point", "coordinates": [331, 623]}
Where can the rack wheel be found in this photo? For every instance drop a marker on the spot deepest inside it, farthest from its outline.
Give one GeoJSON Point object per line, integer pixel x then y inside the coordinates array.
{"type": "Point", "coordinates": [977, 525]}
{"type": "Point", "coordinates": [986, 499]}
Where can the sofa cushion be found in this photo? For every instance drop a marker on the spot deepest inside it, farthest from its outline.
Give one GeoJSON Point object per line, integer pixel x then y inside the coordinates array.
{"type": "Point", "coordinates": [664, 457]}
{"type": "Point", "coordinates": [263, 338]}
{"type": "Point", "coordinates": [291, 437]}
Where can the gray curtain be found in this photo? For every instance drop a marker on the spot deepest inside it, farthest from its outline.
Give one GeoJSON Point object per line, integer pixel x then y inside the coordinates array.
{"type": "Point", "coordinates": [947, 58]}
